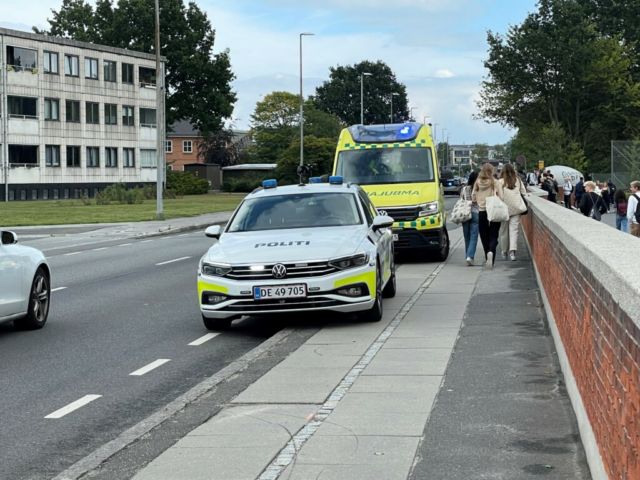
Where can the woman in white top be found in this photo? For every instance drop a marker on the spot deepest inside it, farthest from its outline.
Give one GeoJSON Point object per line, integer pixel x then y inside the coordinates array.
{"type": "Point", "coordinates": [513, 189]}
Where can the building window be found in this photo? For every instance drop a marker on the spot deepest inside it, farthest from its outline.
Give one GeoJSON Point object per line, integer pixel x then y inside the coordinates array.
{"type": "Point", "coordinates": [22, 107]}
{"type": "Point", "coordinates": [168, 146]}
{"type": "Point", "coordinates": [170, 168]}
{"type": "Point", "coordinates": [56, 193]}
{"type": "Point", "coordinates": [110, 114]}
{"type": "Point", "coordinates": [187, 146]}
{"type": "Point", "coordinates": [148, 117]}
{"type": "Point", "coordinates": [34, 194]}
{"type": "Point", "coordinates": [111, 157]}
{"type": "Point", "coordinates": [93, 157]}
{"type": "Point", "coordinates": [73, 159]}
{"type": "Point", "coordinates": [71, 66]}
{"type": "Point", "coordinates": [147, 76]}
{"type": "Point", "coordinates": [23, 154]}
{"type": "Point", "coordinates": [128, 158]}
{"type": "Point", "coordinates": [110, 69]}
{"type": "Point", "coordinates": [76, 193]}
{"type": "Point", "coordinates": [91, 68]}
{"type": "Point", "coordinates": [65, 193]}
{"type": "Point", "coordinates": [45, 194]}
{"type": "Point", "coordinates": [23, 194]}
{"type": "Point", "coordinates": [127, 116]}
{"type": "Point", "coordinates": [51, 63]}
{"type": "Point", "coordinates": [51, 109]}
{"type": "Point", "coordinates": [148, 159]}
{"type": "Point", "coordinates": [52, 155]}
{"type": "Point", "coordinates": [93, 112]}
{"type": "Point", "coordinates": [22, 58]}
{"type": "Point", "coordinates": [12, 195]}
{"type": "Point", "coordinates": [127, 73]}
{"type": "Point", "coordinates": [73, 111]}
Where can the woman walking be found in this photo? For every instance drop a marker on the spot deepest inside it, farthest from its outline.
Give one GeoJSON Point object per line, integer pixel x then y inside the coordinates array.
{"type": "Point", "coordinates": [620, 202]}
{"type": "Point", "coordinates": [470, 227]}
{"type": "Point", "coordinates": [605, 196]}
{"type": "Point", "coordinates": [486, 186]}
{"type": "Point", "coordinates": [512, 189]}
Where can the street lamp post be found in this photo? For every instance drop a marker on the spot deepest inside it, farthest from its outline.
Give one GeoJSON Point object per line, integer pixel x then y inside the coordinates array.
{"type": "Point", "coordinates": [306, 34]}
{"type": "Point", "coordinates": [448, 149]}
{"type": "Point", "coordinates": [444, 159]}
{"type": "Point", "coordinates": [411, 112]}
{"type": "Point", "coordinates": [393, 95]}
{"type": "Point", "coordinates": [362, 96]}
{"type": "Point", "coordinates": [435, 132]}
{"type": "Point", "coordinates": [160, 141]}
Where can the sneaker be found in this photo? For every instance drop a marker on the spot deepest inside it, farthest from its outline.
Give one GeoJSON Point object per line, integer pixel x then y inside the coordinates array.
{"type": "Point", "coordinates": [504, 255]}
{"type": "Point", "coordinates": [470, 261]}
{"type": "Point", "coordinates": [489, 263]}
{"type": "Point", "coordinates": [512, 257]}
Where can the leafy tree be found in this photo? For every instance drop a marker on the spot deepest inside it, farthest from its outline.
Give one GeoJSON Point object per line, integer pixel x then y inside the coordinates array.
{"type": "Point", "coordinates": [442, 151]}
{"type": "Point", "coordinates": [320, 124]}
{"type": "Point", "coordinates": [480, 153]}
{"type": "Point", "coordinates": [340, 95]}
{"type": "Point", "coordinates": [274, 125]}
{"type": "Point", "coordinates": [318, 153]}
{"type": "Point", "coordinates": [221, 148]}
{"type": "Point", "coordinates": [198, 80]}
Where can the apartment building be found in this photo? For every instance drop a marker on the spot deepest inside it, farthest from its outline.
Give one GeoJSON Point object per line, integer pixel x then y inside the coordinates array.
{"type": "Point", "coordinates": [76, 117]}
{"type": "Point", "coordinates": [461, 154]}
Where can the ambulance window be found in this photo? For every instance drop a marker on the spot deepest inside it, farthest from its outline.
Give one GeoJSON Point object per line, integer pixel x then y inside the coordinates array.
{"type": "Point", "coordinates": [367, 207]}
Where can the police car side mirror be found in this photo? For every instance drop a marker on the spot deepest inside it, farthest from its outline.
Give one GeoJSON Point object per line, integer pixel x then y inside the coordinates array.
{"type": "Point", "coordinates": [8, 238]}
{"type": "Point", "coordinates": [213, 231]}
{"type": "Point", "coordinates": [382, 221]}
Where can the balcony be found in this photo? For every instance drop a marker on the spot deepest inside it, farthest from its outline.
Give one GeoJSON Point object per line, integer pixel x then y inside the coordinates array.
{"type": "Point", "coordinates": [23, 76]}
{"type": "Point", "coordinates": [23, 125]}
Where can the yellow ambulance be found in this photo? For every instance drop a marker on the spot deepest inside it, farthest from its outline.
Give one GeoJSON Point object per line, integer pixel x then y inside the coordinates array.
{"type": "Point", "coordinates": [396, 165]}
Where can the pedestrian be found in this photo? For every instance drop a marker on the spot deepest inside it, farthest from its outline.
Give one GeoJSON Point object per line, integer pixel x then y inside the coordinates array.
{"type": "Point", "coordinates": [605, 195]}
{"type": "Point", "coordinates": [579, 191]}
{"type": "Point", "coordinates": [486, 186]}
{"type": "Point", "coordinates": [470, 227]}
{"type": "Point", "coordinates": [512, 190]}
{"type": "Point", "coordinates": [548, 186]}
{"type": "Point", "coordinates": [533, 178]}
{"type": "Point", "coordinates": [567, 188]}
{"type": "Point", "coordinates": [612, 190]}
{"type": "Point", "coordinates": [633, 209]}
{"type": "Point", "coordinates": [592, 204]}
{"type": "Point", "coordinates": [621, 204]}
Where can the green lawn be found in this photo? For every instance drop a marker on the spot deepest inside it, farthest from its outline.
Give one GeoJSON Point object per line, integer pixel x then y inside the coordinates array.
{"type": "Point", "coordinates": [60, 212]}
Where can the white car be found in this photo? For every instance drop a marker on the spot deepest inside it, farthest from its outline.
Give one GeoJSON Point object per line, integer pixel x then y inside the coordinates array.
{"type": "Point", "coordinates": [298, 248]}
{"type": "Point", "coordinates": [25, 284]}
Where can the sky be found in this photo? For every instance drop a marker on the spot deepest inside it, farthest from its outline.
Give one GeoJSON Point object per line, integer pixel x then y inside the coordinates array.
{"type": "Point", "coordinates": [435, 47]}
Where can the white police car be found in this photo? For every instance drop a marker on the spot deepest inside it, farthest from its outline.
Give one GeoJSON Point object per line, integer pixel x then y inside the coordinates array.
{"type": "Point", "coordinates": [298, 248]}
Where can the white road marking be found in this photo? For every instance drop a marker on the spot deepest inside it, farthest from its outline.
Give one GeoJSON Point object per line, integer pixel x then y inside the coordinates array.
{"type": "Point", "coordinates": [146, 241]}
{"type": "Point", "coordinates": [204, 339]}
{"type": "Point", "coordinates": [58, 289]}
{"type": "Point", "coordinates": [72, 253]}
{"type": "Point", "coordinates": [165, 238]}
{"type": "Point", "coordinates": [125, 244]}
{"type": "Point", "coordinates": [73, 406]}
{"type": "Point", "coordinates": [150, 367]}
{"type": "Point", "coordinates": [172, 261]}
{"type": "Point", "coordinates": [182, 235]}
{"type": "Point", "coordinates": [98, 249]}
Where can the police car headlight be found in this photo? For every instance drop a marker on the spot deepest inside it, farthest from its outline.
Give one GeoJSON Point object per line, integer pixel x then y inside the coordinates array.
{"type": "Point", "coordinates": [427, 209]}
{"type": "Point", "coordinates": [214, 269]}
{"type": "Point", "coordinates": [350, 262]}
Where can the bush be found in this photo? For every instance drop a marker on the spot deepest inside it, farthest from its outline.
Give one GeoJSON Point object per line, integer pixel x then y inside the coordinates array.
{"type": "Point", "coordinates": [102, 198]}
{"type": "Point", "coordinates": [185, 183]}
{"type": "Point", "coordinates": [246, 183]}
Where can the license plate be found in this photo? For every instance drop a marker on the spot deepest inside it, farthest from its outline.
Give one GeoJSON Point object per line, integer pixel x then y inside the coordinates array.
{"type": "Point", "coordinates": [395, 237]}
{"type": "Point", "coordinates": [278, 292]}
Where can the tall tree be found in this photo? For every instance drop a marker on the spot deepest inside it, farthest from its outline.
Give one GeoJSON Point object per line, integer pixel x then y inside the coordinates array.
{"type": "Point", "coordinates": [318, 154]}
{"type": "Point", "coordinates": [340, 95]}
{"type": "Point", "coordinates": [274, 125]}
{"type": "Point", "coordinates": [480, 153]}
{"type": "Point", "coordinates": [198, 79]}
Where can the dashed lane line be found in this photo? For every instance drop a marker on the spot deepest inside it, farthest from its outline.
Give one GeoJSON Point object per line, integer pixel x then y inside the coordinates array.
{"type": "Point", "coordinates": [146, 241]}
{"type": "Point", "coordinates": [125, 244]}
{"type": "Point", "coordinates": [72, 253]}
{"type": "Point", "coordinates": [172, 261]}
{"type": "Point", "coordinates": [73, 406]}
{"type": "Point", "coordinates": [204, 339]}
{"type": "Point", "coordinates": [98, 249]}
{"type": "Point", "coordinates": [151, 366]}
{"type": "Point", "coordinates": [58, 289]}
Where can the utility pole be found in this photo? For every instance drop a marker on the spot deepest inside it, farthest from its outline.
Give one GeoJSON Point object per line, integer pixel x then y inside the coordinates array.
{"type": "Point", "coordinates": [159, 119]}
{"type": "Point", "coordinates": [362, 96]}
{"type": "Point", "coordinates": [306, 34]}
{"type": "Point", "coordinates": [5, 125]}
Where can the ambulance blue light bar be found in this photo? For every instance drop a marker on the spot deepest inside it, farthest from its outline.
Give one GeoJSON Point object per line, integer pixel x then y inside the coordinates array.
{"type": "Point", "coordinates": [269, 184]}
{"type": "Point", "coordinates": [403, 132]}
{"type": "Point", "coordinates": [315, 180]}
{"type": "Point", "coordinates": [336, 180]}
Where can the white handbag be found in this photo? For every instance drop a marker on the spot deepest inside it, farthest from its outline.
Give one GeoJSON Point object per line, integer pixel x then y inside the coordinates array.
{"type": "Point", "coordinates": [461, 210]}
{"type": "Point", "coordinates": [497, 210]}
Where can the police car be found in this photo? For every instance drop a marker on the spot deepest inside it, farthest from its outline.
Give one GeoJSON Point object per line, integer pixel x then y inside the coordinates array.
{"type": "Point", "coordinates": [309, 247]}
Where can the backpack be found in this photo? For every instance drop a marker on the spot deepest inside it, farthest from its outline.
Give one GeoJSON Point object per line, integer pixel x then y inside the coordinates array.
{"type": "Point", "coordinates": [621, 209]}
{"type": "Point", "coordinates": [637, 212]}
{"type": "Point", "coordinates": [595, 211]}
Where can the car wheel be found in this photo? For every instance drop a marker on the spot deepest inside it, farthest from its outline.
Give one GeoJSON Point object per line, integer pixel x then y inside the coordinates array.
{"type": "Point", "coordinates": [443, 252]}
{"type": "Point", "coordinates": [375, 313]}
{"type": "Point", "coordinates": [390, 288]}
{"type": "Point", "coordinates": [217, 323]}
{"type": "Point", "coordinates": [39, 300]}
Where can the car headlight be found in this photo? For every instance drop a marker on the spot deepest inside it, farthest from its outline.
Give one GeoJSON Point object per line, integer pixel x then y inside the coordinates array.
{"type": "Point", "coordinates": [214, 269]}
{"type": "Point", "coordinates": [350, 262]}
{"type": "Point", "coordinates": [427, 209]}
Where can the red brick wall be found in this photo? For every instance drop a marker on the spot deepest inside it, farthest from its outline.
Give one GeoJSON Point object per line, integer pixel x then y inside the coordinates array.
{"type": "Point", "coordinates": [177, 158]}
{"type": "Point", "coordinates": [601, 342]}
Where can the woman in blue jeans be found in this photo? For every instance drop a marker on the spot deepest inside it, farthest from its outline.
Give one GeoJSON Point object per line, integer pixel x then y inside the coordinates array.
{"type": "Point", "coordinates": [470, 227]}
{"type": "Point", "coordinates": [620, 201]}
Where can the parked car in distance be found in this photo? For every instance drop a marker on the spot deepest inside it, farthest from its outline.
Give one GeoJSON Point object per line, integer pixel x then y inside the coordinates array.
{"type": "Point", "coordinates": [25, 284]}
{"type": "Point", "coordinates": [450, 183]}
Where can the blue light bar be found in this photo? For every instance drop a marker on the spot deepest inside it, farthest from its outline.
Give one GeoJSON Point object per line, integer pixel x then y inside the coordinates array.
{"type": "Point", "coordinates": [315, 180]}
{"type": "Point", "coordinates": [385, 133]}
{"type": "Point", "coordinates": [336, 180]}
{"type": "Point", "coordinates": [269, 184]}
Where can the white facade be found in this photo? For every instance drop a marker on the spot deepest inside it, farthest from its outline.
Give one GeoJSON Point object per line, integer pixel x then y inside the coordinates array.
{"type": "Point", "coordinates": [461, 154]}
{"type": "Point", "coordinates": [30, 173]}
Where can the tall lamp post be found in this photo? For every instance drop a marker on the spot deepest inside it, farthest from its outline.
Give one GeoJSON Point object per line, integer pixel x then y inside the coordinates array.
{"type": "Point", "coordinates": [393, 95]}
{"type": "Point", "coordinates": [435, 132]}
{"type": "Point", "coordinates": [362, 96]}
{"type": "Point", "coordinates": [411, 112]}
{"type": "Point", "coordinates": [305, 34]}
{"type": "Point", "coordinates": [159, 119]}
{"type": "Point", "coordinates": [449, 148]}
{"type": "Point", "coordinates": [444, 159]}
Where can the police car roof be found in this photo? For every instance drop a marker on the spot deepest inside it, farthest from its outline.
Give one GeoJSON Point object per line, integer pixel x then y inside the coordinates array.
{"type": "Point", "coordinates": [307, 188]}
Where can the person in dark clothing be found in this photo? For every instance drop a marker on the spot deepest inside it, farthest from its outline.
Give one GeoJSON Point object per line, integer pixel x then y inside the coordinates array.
{"type": "Point", "coordinates": [579, 192]}
{"type": "Point", "coordinates": [606, 197]}
{"type": "Point", "coordinates": [612, 190]}
{"type": "Point", "coordinates": [549, 187]}
{"type": "Point", "coordinates": [592, 202]}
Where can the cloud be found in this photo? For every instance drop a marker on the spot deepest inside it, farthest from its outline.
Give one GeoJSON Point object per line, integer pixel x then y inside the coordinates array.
{"type": "Point", "coordinates": [444, 74]}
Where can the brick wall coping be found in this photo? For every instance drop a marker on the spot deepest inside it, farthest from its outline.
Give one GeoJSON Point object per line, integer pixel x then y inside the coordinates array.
{"type": "Point", "coordinates": [612, 257]}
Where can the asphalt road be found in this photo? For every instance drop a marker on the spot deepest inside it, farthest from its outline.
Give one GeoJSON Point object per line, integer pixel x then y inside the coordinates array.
{"type": "Point", "coordinates": [118, 307]}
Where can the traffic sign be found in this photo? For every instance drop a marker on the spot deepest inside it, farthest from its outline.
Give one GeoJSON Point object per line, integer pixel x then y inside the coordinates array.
{"type": "Point", "coordinates": [541, 164]}
{"type": "Point", "coordinates": [521, 159]}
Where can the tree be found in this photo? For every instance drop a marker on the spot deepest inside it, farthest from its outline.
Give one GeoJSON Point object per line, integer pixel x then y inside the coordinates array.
{"type": "Point", "coordinates": [221, 148]}
{"type": "Point", "coordinates": [480, 153]}
{"type": "Point", "coordinates": [340, 95]}
{"type": "Point", "coordinates": [198, 80]}
{"type": "Point", "coordinates": [443, 150]}
{"type": "Point", "coordinates": [320, 124]}
{"type": "Point", "coordinates": [274, 125]}
{"type": "Point", "coordinates": [318, 153]}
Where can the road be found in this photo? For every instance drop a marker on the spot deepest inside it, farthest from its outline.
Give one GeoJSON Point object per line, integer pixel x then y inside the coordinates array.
{"type": "Point", "coordinates": [118, 347]}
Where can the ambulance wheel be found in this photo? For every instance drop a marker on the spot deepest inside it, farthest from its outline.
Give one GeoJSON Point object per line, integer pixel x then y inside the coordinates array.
{"type": "Point", "coordinates": [375, 313]}
{"type": "Point", "coordinates": [217, 324]}
{"type": "Point", "coordinates": [443, 253]}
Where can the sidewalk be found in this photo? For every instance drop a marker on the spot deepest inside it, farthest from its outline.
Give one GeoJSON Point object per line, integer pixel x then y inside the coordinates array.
{"type": "Point", "coordinates": [401, 399]}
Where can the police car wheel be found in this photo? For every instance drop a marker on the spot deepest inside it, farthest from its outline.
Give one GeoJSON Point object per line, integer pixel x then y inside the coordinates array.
{"type": "Point", "coordinates": [390, 288]}
{"type": "Point", "coordinates": [375, 313]}
{"type": "Point", "coordinates": [216, 323]}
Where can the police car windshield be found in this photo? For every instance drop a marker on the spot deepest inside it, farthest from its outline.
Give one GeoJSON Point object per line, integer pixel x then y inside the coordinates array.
{"type": "Point", "coordinates": [307, 210]}
{"type": "Point", "coordinates": [386, 165]}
